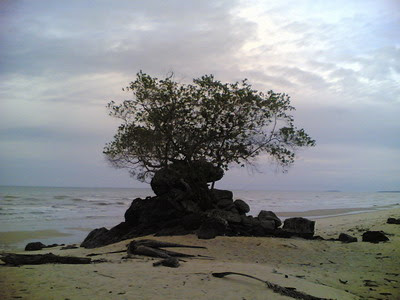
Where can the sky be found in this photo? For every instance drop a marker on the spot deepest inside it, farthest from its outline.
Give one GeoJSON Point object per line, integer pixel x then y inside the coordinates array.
{"type": "Point", "coordinates": [61, 62]}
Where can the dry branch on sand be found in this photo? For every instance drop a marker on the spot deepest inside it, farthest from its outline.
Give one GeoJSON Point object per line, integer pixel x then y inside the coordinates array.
{"type": "Point", "coordinates": [285, 291]}
{"type": "Point", "coordinates": [39, 259]}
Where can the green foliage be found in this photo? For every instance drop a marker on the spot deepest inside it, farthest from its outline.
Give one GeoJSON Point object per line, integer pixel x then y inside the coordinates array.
{"type": "Point", "coordinates": [221, 123]}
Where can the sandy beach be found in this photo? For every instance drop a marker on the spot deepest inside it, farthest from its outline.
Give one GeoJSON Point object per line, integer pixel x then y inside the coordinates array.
{"type": "Point", "coordinates": [320, 268]}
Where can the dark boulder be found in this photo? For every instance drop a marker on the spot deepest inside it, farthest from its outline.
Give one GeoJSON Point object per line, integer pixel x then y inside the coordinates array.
{"type": "Point", "coordinates": [133, 213]}
{"type": "Point", "coordinates": [374, 237]}
{"type": "Point", "coordinates": [345, 238]}
{"type": "Point", "coordinates": [268, 225]}
{"type": "Point", "coordinates": [207, 171]}
{"type": "Point", "coordinates": [228, 216]}
{"type": "Point", "coordinates": [153, 210]}
{"type": "Point", "coordinates": [234, 210]}
{"type": "Point", "coordinates": [102, 236]}
{"type": "Point", "coordinates": [212, 227]}
{"type": "Point", "coordinates": [221, 195]}
{"type": "Point", "coordinates": [242, 207]}
{"type": "Point", "coordinates": [250, 221]}
{"type": "Point", "coordinates": [166, 179]}
{"type": "Point", "coordinates": [269, 215]}
{"type": "Point", "coordinates": [181, 176]}
{"type": "Point", "coordinates": [192, 221]}
{"type": "Point", "coordinates": [226, 204]}
{"type": "Point", "coordinates": [34, 246]}
{"type": "Point", "coordinates": [393, 221]}
{"type": "Point", "coordinates": [95, 238]}
{"type": "Point", "coordinates": [301, 227]}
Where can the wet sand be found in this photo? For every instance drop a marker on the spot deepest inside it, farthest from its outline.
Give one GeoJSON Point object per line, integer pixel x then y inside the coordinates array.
{"type": "Point", "coordinates": [321, 268]}
{"type": "Point", "coordinates": [14, 237]}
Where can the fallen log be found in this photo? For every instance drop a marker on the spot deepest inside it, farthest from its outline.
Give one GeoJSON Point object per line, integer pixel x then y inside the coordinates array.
{"type": "Point", "coordinates": [39, 259]}
{"type": "Point", "coordinates": [154, 252]}
{"type": "Point", "coordinates": [285, 291]}
{"type": "Point", "coordinates": [160, 244]}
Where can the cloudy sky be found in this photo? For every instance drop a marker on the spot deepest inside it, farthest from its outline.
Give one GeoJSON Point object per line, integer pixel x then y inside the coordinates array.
{"type": "Point", "coordinates": [62, 61]}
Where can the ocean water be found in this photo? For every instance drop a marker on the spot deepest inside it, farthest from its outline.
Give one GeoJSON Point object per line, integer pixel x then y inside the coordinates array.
{"type": "Point", "coordinates": [76, 211]}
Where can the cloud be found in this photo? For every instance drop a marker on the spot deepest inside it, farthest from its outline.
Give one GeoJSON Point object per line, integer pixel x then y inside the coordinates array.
{"type": "Point", "coordinates": [75, 40]}
{"type": "Point", "coordinates": [61, 62]}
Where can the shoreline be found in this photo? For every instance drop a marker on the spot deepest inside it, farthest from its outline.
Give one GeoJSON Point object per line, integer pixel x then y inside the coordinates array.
{"type": "Point", "coordinates": [320, 268]}
{"type": "Point", "coordinates": [16, 240]}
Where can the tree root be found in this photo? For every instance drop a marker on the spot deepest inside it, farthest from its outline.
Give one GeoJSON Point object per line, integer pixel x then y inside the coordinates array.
{"type": "Point", "coordinates": [285, 291]}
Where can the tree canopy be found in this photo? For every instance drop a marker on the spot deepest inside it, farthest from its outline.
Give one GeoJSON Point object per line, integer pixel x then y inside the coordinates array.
{"type": "Point", "coordinates": [221, 123]}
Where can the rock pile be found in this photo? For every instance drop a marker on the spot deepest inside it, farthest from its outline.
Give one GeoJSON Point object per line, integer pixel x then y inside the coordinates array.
{"type": "Point", "coordinates": [185, 205]}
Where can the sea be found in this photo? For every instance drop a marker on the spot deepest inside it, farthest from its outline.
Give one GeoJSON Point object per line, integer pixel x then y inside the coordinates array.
{"type": "Point", "coordinates": [74, 212]}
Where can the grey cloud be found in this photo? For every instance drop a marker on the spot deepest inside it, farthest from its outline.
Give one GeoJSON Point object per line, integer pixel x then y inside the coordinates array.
{"type": "Point", "coordinates": [80, 45]}
{"type": "Point", "coordinates": [60, 61]}
{"type": "Point", "coordinates": [46, 134]}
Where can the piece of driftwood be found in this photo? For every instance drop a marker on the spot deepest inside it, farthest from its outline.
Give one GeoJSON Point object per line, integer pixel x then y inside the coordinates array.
{"type": "Point", "coordinates": [153, 249]}
{"type": "Point", "coordinates": [285, 291]}
{"type": "Point", "coordinates": [154, 252]}
{"type": "Point", "coordinates": [171, 262]}
{"type": "Point", "coordinates": [97, 254]}
{"type": "Point", "coordinates": [39, 259]}
{"type": "Point", "coordinates": [160, 244]}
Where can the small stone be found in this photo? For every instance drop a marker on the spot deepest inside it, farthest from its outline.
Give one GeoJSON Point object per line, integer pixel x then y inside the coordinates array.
{"type": "Point", "coordinates": [345, 238]}
{"type": "Point", "coordinates": [393, 221]}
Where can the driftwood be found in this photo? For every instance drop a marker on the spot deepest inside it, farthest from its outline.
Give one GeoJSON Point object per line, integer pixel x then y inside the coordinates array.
{"type": "Point", "coordinates": [154, 252]}
{"type": "Point", "coordinates": [171, 262]}
{"type": "Point", "coordinates": [153, 249]}
{"type": "Point", "coordinates": [160, 244]}
{"type": "Point", "coordinates": [285, 291]}
{"type": "Point", "coordinates": [97, 254]}
{"type": "Point", "coordinates": [39, 259]}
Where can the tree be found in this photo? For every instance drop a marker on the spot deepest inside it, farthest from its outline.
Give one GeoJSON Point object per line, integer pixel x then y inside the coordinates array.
{"type": "Point", "coordinates": [221, 123]}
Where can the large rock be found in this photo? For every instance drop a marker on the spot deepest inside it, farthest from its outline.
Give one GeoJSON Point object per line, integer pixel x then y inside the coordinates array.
{"type": "Point", "coordinates": [242, 207]}
{"type": "Point", "coordinates": [212, 227]}
{"type": "Point", "coordinates": [229, 216]}
{"type": "Point", "coordinates": [226, 204]}
{"type": "Point", "coordinates": [250, 221]}
{"type": "Point", "coordinates": [153, 210]}
{"type": "Point", "coordinates": [221, 195]}
{"type": "Point", "coordinates": [268, 226]}
{"type": "Point", "coordinates": [181, 176]}
{"type": "Point", "coordinates": [192, 221]}
{"type": "Point", "coordinates": [96, 238]}
{"type": "Point", "coordinates": [35, 246]}
{"type": "Point", "coordinates": [269, 215]}
{"type": "Point", "coordinates": [374, 237]}
{"type": "Point", "coordinates": [166, 179]}
{"type": "Point", "coordinates": [301, 227]}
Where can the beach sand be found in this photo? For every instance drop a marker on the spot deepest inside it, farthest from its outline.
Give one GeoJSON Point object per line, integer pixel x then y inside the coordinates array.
{"type": "Point", "coordinates": [321, 268]}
